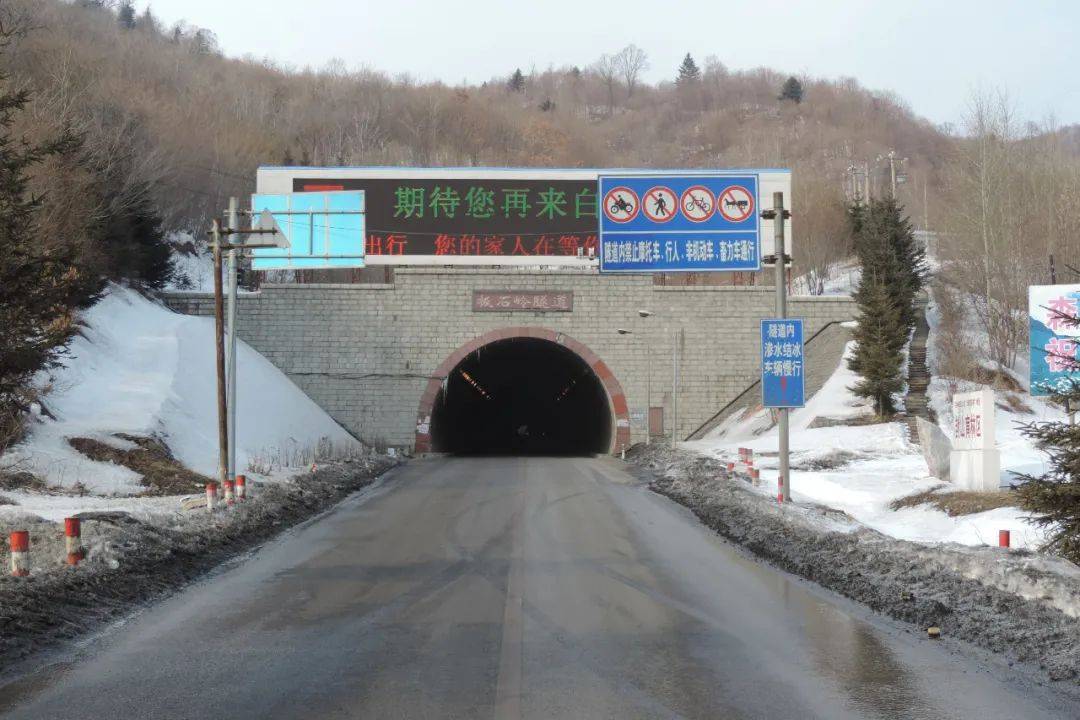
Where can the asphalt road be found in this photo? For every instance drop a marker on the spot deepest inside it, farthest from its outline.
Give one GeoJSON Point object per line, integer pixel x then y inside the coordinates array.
{"type": "Point", "coordinates": [513, 588]}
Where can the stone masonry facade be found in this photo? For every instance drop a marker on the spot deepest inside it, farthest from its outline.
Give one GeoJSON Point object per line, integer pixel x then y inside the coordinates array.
{"type": "Point", "coordinates": [374, 355]}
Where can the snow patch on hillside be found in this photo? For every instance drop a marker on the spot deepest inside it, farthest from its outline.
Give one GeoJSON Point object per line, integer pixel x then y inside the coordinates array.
{"type": "Point", "coordinates": [861, 468]}
{"type": "Point", "coordinates": [140, 369]}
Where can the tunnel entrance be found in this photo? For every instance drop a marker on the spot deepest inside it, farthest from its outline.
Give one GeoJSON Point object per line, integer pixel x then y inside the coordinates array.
{"type": "Point", "coordinates": [522, 395]}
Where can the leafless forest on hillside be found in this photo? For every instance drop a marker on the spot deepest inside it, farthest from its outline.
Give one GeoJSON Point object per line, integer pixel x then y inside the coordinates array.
{"type": "Point", "coordinates": [165, 115]}
{"type": "Point", "coordinates": [194, 125]}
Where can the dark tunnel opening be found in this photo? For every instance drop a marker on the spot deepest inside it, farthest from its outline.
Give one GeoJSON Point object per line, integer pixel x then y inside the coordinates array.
{"type": "Point", "coordinates": [522, 396]}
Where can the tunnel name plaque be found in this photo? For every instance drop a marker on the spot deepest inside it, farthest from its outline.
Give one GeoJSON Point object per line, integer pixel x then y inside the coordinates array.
{"type": "Point", "coordinates": [523, 301]}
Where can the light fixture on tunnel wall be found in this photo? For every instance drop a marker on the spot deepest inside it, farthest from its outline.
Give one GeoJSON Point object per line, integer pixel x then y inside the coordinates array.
{"type": "Point", "coordinates": [476, 385]}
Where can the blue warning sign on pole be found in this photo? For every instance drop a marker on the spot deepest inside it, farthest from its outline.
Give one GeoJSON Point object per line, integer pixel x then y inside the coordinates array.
{"type": "Point", "coordinates": [681, 223]}
{"type": "Point", "coordinates": [782, 363]}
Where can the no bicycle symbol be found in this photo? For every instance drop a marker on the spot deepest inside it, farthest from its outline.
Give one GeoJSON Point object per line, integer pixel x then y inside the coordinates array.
{"type": "Point", "coordinates": [660, 204]}
{"type": "Point", "coordinates": [736, 203]}
{"type": "Point", "coordinates": [620, 204]}
{"type": "Point", "coordinates": [697, 203]}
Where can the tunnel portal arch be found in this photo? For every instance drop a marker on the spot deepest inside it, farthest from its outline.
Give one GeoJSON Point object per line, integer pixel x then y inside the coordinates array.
{"type": "Point", "coordinates": [620, 414]}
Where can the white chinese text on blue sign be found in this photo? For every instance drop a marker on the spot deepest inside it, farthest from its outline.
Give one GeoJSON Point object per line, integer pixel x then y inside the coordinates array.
{"type": "Point", "coordinates": [782, 363]}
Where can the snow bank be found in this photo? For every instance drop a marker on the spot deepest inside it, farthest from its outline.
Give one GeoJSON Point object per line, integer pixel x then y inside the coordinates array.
{"type": "Point", "coordinates": [140, 369]}
{"type": "Point", "coordinates": [860, 469]}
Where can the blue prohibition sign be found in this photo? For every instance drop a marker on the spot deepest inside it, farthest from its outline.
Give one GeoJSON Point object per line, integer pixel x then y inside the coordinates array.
{"type": "Point", "coordinates": [679, 223]}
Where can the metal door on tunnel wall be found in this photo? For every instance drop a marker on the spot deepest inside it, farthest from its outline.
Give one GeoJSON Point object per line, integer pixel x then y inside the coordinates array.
{"type": "Point", "coordinates": [656, 421]}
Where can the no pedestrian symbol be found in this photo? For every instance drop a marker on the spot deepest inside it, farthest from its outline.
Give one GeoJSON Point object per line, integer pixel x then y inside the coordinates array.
{"type": "Point", "coordinates": [697, 203]}
{"type": "Point", "coordinates": [735, 203]}
{"type": "Point", "coordinates": [620, 204]}
{"type": "Point", "coordinates": [660, 204]}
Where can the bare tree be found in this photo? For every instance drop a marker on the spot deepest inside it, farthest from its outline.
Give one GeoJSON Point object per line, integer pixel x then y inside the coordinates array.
{"type": "Point", "coordinates": [629, 63]}
{"type": "Point", "coordinates": [1005, 196]}
{"type": "Point", "coordinates": [607, 69]}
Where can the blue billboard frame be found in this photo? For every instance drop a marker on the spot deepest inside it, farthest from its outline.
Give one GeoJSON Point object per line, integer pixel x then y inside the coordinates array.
{"type": "Point", "coordinates": [784, 345]}
{"type": "Point", "coordinates": [630, 240]}
{"type": "Point", "coordinates": [326, 230]}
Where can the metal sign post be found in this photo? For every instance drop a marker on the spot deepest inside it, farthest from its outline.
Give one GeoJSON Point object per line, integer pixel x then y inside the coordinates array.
{"type": "Point", "coordinates": [234, 226]}
{"type": "Point", "coordinates": [778, 215]}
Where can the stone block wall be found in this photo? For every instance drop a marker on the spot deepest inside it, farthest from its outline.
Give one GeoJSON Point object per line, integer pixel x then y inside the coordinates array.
{"type": "Point", "coordinates": [368, 352]}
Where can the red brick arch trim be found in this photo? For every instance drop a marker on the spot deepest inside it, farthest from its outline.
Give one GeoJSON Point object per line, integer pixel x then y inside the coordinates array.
{"type": "Point", "coordinates": [616, 397]}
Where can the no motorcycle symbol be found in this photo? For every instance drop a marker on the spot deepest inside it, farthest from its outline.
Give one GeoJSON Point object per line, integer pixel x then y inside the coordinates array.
{"type": "Point", "coordinates": [735, 204]}
{"type": "Point", "coordinates": [621, 204]}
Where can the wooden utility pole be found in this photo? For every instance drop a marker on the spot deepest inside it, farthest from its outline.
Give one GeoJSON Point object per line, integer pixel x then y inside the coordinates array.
{"type": "Point", "coordinates": [219, 348]}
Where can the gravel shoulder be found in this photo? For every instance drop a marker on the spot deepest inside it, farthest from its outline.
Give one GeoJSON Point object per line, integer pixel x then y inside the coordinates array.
{"type": "Point", "coordinates": [131, 561]}
{"type": "Point", "coordinates": [1016, 604]}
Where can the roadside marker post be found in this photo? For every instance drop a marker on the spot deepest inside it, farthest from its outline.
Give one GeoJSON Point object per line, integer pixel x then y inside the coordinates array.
{"type": "Point", "coordinates": [73, 540]}
{"type": "Point", "coordinates": [20, 553]}
{"type": "Point", "coordinates": [211, 496]}
{"type": "Point", "coordinates": [1004, 538]}
{"type": "Point", "coordinates": [241, 488]}
{"type": "Point", "coordinates": [230, 495]}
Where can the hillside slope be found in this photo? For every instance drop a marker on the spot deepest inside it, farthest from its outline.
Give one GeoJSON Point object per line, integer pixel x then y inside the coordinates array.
{"type": "Point", "coordinates": [203, 122]}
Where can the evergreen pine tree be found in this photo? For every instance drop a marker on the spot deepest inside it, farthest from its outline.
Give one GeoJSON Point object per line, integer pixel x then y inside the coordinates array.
{"type": "Point", "coordinates": [893, 273]}
{"type": "Point", "coordinates": [38, 281]}
{"type": "Point", "coordinates": [516, 83]}
{"type": "Point", "coordinates": [125, 15]}
{"type": "Point", "coordinates": [1054, 497]}
{"type": "Point", "coordinates": [689, 72]}
{"type": "Point", "coordinates": [134, 240]}
{"type": "Point", "coordinates": [876, 357]}
{"type": "Point", "coordinates": [792, 90]}
{"type": "Point", "coordinates": [885, 244]}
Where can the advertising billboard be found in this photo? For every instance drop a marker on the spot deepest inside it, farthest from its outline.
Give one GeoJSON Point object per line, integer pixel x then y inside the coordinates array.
{"type": "Point", "coordinates": [486, 216]}
{"type": "Point", "coordinates": [1054, 336]}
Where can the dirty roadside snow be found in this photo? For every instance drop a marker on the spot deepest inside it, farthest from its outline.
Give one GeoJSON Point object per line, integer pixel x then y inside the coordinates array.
{"type": "Point", "coordinates": [131, 561]}
{"type": "Point", "coordinates": [1020, 605]}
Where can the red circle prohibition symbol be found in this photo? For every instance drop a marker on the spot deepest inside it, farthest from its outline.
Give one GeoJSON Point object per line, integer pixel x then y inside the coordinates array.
{"type": "Point", "coordinates": [661, 198]}
{"type": "Point", "coordinates": [697, 203]}
{"type": "Point", "coordinates": [742, 206]}
{"type": "Point", "coordinates": [618, 207]}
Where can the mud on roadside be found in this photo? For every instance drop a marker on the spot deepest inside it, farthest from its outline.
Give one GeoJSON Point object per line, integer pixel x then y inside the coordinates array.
{"type": "Point", "coordinates": [130, 562]}
{"type": "Point", "coordinates": [925, 586]}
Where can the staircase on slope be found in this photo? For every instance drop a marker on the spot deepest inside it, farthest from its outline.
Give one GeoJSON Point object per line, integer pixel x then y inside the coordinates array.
{"type": "Point", "coordinates": [918, 378]}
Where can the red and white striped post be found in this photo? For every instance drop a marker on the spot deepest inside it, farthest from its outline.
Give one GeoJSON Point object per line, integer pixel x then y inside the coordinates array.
{"type": "Point", "coordinates": [20, 553]}
{"type": "Point", "coordinates": [780, 489]}
{"type": "Point", "coordinates": [731, 467]}
{"type": "Point", "coordinates": [230, 494]}
{"type": "Point", "coordinates": [241, 488]}
{"type": "Point", "coordinates": [73, 540]}
{"type": "Point", "coordinates": [211, 496]}
{"type": "Point", "coordinates": [1004, 538]}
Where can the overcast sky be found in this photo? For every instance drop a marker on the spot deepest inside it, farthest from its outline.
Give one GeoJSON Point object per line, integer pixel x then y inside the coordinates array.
{"type": "Point", "coordinates": [933, 53]}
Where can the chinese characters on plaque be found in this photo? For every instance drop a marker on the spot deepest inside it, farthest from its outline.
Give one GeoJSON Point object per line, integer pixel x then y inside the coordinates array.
{"type": "Point", "coordinates": [523, 301]}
